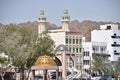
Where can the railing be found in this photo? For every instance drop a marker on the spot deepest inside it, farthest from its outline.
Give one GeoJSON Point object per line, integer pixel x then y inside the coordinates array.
{"type": "Point", "coordinates": [114, 36]}
{"type": "Point", "coordinates": [115, 45]}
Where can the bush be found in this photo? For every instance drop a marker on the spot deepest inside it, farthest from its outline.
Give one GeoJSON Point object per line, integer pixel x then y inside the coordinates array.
{"type": "Point", "coordinates": [113, 74]}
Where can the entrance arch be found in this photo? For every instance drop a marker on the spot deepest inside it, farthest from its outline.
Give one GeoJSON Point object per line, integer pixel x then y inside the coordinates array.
{"type": "Point", "coordinates": [64, 55]}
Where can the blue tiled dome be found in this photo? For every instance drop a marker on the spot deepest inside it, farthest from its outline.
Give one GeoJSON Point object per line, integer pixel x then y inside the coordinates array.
{"type": "Point", "coordinates": [61, 48]}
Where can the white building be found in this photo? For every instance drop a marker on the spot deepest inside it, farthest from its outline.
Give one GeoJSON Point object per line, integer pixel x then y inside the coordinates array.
{"type": "Point", "coordinates": [94, 49]}
{"type": "Point", "coordinates": [110, 34]}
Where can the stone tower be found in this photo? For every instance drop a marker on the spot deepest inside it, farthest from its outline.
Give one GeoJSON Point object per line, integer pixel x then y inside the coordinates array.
{"type": "Point", "coordinates": [41, 22]}
{"type": "Point", "coordinates": [65, 21]}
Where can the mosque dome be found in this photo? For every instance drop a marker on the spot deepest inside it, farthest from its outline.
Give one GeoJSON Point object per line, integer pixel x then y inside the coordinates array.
{"type": "Point", "coordinates": [45, 61]}
{"type": "Point", "coordinates": [42, 12]}
{"type": "Point", "coordinates": [65, 11]}
{"type": "Point", "coordinates": [61, 48]}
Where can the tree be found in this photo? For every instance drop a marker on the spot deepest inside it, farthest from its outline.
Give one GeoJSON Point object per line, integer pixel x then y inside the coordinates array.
{"type": "Point", "coordinates": [18, 44]}
{"type": "Point", "coordinates": [45, 45]}
{"type": "Point", "coordinates": [117, 66]}
{"type": "Point", "coordinates": [24, 47]}
{"type": "Point", "coordinates": [99, 64]}
{"type": "Point", "coordinates": [4, 66]}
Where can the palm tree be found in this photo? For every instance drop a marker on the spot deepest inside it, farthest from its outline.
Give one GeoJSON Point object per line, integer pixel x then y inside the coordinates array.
{"type": "Point", "coordinates": [98, 64]}
{"type": "Point", "coordinates": [117, 66]}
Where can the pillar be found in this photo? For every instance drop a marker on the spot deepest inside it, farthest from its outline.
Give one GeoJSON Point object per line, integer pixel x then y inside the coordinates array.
{"type": "Point", "coordinates": [64, 65]}
{"type": "Point", "coordinates": [57, 77]}
{"type": "Point", "coordinates": [45, 75]}
{"type": "Point", "coordinates": [33, 75]}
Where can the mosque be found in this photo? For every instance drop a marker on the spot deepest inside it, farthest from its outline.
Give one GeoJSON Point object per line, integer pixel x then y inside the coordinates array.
{"type": "Point", "coordinates": [68, 51]}
{"type": "Point", "coordinates": [64, 38]}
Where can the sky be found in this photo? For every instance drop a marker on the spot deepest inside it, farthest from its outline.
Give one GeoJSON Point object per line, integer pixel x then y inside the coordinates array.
{"type": "Point", "coordinates": [20, 11]}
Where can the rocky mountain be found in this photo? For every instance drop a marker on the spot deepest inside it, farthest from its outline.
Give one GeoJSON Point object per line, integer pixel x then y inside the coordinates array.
{"type": "Point", "coordinates": [85, 27]}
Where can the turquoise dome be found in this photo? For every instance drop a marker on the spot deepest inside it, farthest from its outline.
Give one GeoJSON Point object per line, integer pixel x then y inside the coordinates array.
{"type": "Point", "coordinates": [61, 48]}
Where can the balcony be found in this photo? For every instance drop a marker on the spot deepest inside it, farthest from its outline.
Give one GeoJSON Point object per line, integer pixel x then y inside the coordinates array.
{"type": "Point", "coordinates": [115, 36]}
{"type": "Point", "coordinates": [101, 54]}
{"type": "Point", "coordinates": [115, 45]}
{"type": "Point", "coordinates": [116, 53]}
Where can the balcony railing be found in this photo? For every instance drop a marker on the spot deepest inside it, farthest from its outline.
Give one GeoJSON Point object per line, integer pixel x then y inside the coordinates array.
{"type": "Point", "coordinates": [115, 45]}
{"type": "Point", "coordinates": [101, 54]}
{"type": "Point", "coordinates": [116, 53]}
{"type": "Point", "coordinates": [114, 36]}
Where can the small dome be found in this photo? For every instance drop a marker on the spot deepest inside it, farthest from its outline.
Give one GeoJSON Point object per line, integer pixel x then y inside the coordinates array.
{"type": "Point", "coordinates": [45, 61]}
{"type": "Point", "coordinates": [42, 12]}
{"type": "Point", "coordinates": [65, 11]}
{"type": "Point", "coordinates": [61, 48]}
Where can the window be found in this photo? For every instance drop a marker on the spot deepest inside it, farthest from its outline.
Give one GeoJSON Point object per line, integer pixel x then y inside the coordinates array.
{"type": "Point", "coordinates": [115, 51]}
{"type": "Point", "coordinates": [84, 53]}
{"type": "Point", "coordinates": [70, 49]}
{"type": "Point", "coordinates": [80, 50]}
{"type": "Point", "coordinates": [43, 19]}
{"type": "Point", "coordinates": [70, 41]}
{"type": "Point", "coordinates": [114, 34]}
{"type": "Point", "coordinates": [73, 41]}
{"type": "Point", "coordinates": [87, 53]}
{"type": "Point", "coordinates": [76, 50]}
{"type": "Point", "coordinates": [80, 41]}
{"type": "Point", "coordinates": [86, 62]}
{"type": "Point", "coordinates": [108, 27]}
{"type": "Point", "coordinates": [76, 41]}
{"type": "Point", "coordinates": [73, 49]}
{"type": "Point", "coordinates": [94, 50]}
{"type": "Point", "coordinates": [115, 43]}
{"type": "Point", "coordinates": [102, 49]}
{"type": "Point", "coordinates": [66, 41]}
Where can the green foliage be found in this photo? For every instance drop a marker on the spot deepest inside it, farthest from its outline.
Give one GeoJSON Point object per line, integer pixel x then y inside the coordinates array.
{"type": "Point", "coordinates": [98, 64]}
{"type": "Point", "coordinates": [24, 46]}
{"type": "Point", "coordinates": [2, 60]}
{"type": "Point", "coordinates": [113, 74]}
{"type": "Point", "coordinates": [45, 45]}
{"type": "Point", "coordinates": [18, 44]}
{"type": "Point", "coordinates": [117, 66]}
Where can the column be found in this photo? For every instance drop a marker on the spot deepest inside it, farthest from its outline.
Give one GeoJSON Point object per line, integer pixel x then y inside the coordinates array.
{"type": "Point", "coordinates": [33, 75]}
{"type": "Point", "coordinates": [64, 65]}
{"type": "Point", "coordinates": [45, 75]}
{"type": "Point", "coordinates": [57, 77]}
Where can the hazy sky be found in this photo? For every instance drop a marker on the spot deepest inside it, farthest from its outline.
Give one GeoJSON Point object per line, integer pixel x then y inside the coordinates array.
{"type": "Point", "coordinates": [18, 11]}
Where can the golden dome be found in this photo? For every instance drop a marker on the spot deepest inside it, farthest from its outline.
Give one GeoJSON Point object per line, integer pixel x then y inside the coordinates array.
{"type": "Point", "coordinates": [45, 61]}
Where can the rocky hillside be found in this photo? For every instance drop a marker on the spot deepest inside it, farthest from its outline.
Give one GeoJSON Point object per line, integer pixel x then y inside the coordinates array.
{"type": "Point", "coordinates": [85, 26]}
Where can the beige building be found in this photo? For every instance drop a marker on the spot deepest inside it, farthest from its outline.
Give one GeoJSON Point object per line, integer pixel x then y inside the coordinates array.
{"type": "Point", "coordinates": [72, 40]}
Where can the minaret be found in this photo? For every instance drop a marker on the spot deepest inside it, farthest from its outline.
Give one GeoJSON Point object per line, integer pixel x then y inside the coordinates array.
{"type": "Point", "coordinates": [41, 22]}
{"type": "Point", "coordinates": [65, 21]}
